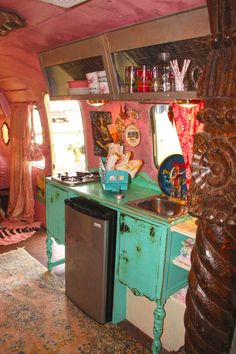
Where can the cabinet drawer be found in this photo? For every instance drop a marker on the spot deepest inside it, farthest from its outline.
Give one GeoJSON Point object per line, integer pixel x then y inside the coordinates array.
{"type": "Point", "coordinates": [139, 256]}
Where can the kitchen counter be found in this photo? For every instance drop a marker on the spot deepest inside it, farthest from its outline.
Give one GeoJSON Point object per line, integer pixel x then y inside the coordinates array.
{"type": "Point", "coordinates": [137, 190]}
{"type": "Point", "coordinates": [188, 227]}
{"type": "Point", "coordinates": [146, 245]}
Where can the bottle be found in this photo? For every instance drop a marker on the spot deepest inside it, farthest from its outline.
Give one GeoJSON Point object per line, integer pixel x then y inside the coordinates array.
{"type": "Point", "coordinates": [130, 79]}
{"type": "Point", "coordinates": [165, 80]}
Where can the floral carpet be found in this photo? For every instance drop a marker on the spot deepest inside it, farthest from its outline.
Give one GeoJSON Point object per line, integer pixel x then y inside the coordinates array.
{"type": "Point", "coordinates": [36, 317]}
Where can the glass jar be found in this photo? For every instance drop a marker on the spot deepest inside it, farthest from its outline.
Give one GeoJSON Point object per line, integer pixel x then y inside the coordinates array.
{"type": "Point", "coordinates": [130, 79]}
{"type": "Point", "coordinates": [165, 77]}
{"type": "Point", "coordinates": [144, 78]}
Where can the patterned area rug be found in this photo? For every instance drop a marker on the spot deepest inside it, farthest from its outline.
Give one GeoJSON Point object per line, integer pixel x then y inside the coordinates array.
{"type": "Point", "coordinates": [14, 232]}
{"type": "Point", "coordinates": [37, 318]}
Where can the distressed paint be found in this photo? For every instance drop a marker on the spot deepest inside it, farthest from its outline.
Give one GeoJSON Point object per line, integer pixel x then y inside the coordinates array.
{"type": "Point", "coordinates": [159, 315]}
{"type": "Point", "coordinates": [142, 269]}
{"type": "Point", "coordinates": [144, 251]}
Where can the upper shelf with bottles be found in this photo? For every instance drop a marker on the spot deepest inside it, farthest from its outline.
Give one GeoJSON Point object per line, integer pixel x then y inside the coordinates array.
{"type": "Point", "coordinates": [102, 67]}
{"type": "Point", "coordinates": [164, 70]}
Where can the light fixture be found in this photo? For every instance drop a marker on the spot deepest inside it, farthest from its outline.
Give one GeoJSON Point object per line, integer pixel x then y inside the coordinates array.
{"type": "Point", "coordinates": [96, 103]}
{"type": "Point", "coordinates": [9, 21]}
{"type": "Point", "coordinates": [65, 3]}
{"type": "Point", "coordinates": [188, 103]}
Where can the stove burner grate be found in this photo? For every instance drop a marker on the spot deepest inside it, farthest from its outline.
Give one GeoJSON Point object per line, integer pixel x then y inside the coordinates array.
{"type": "Point", "coordinates": [78, 178]}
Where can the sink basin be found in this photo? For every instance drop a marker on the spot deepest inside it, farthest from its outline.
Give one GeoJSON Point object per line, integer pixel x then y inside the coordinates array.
{"type": "Point", "coordinates": [163, 206]}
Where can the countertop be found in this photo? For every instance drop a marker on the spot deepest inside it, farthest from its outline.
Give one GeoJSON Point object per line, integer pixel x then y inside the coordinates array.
{"type": "Point", "coordinates": [188, 227]}
{"type": "Point", "coordinates": [94, 190]}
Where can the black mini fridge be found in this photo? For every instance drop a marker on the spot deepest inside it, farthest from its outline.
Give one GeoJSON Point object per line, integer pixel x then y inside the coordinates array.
{"type": "Point", "coordinates": [90, 241]}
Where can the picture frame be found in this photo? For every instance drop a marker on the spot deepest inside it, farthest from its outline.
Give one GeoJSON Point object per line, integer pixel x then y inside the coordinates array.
{"type": "Point", "coordinates": [101, 135]}
{"type": "Point", "coordinates": [132, 135]}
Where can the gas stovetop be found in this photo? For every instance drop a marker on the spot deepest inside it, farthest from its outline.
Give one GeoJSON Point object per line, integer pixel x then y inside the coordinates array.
{"type": "Point", "coordinates": [76, 179]}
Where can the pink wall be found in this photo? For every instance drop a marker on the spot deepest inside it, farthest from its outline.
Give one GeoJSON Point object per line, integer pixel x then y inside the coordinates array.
{"type": "Point", "coordinates": [144, 151]}
{"type": "Point", "coordinates": [4, 157]}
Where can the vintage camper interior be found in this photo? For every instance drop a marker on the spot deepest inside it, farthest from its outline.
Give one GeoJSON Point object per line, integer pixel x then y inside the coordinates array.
{"type": "Point", "coordinates": [118, 176]}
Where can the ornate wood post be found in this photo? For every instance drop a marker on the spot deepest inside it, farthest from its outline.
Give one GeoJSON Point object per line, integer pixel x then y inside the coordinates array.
{"type": "Point", "coordinates": [211, 299]}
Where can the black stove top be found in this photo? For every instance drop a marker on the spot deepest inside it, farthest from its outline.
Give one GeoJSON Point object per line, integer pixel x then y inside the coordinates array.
{"type": "Point", "coordinates": [76, 179]}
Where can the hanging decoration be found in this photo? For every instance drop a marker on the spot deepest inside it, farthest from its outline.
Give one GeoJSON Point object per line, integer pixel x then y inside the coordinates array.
{"type": "Point", "coordinates": [9, 22]}
{"type": "Point", "coordinates": [187, 126]}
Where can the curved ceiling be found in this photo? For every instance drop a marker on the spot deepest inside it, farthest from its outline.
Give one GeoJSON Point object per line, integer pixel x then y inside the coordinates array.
{"type": "Point", "coordinates": [48, 26]}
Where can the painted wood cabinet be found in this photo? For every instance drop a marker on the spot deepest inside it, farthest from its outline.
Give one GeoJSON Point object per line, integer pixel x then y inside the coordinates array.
{"type": "Point", "coordinates": [140, 256]}
{"type": "Point", "coordinates": [55, 219]}
{"type": "Point", "coordinates": [145, 266]}
{"type": "Point", "coordinates": [145, 251]}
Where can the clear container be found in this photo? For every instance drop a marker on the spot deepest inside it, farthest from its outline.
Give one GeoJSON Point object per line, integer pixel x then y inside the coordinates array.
{"type": "Point", "coordinates": [165, 77]}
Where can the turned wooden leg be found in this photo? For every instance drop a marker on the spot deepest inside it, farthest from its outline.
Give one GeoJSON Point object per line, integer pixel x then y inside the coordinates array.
{"type": "Point", "coordinates": [49, 252]}
{"type": "Point", "coordinates": [159, 315]}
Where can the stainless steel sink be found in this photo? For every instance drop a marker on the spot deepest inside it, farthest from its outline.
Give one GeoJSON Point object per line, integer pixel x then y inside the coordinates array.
{"type": "Point", "coordinates": [161, 205]}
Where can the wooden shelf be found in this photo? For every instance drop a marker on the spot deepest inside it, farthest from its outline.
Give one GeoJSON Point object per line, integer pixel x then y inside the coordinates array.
{"type": "Point", "coordinates": [169, 96]}
{"type": "Point", "coordinates": [179, 261]}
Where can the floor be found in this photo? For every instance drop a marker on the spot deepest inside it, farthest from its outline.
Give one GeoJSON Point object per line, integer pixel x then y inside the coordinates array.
{"type": "Point", "coordinates": [36, 246]}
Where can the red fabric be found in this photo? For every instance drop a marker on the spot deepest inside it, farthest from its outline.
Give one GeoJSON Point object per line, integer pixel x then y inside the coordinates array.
{"type": "Point", "coordinates": [187, 125]}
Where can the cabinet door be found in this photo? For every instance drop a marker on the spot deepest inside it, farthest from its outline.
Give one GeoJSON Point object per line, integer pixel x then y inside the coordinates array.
{"type": "Point", "coordinates": [79, 69]}
{"type": "Point", "coordinates": [55, 211]}
{"type": "Point", "coordinates": [140, 256]}
{"type": "Point", "coordinates": [138, 47]}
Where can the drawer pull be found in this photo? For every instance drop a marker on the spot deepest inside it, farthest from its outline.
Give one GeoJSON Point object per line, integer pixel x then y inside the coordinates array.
{"type": "Point", "coordinates": [124, 227]}
{"type": "Point", "coordinates": [152, 232]}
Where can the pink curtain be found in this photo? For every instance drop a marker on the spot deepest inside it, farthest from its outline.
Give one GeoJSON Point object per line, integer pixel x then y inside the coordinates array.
{"type": "Point", "coordinates": [21, 199]}
{"type": "Point", "coordinates": [187, 125]}
{"type": "Point", "coordinates": [4, 105]}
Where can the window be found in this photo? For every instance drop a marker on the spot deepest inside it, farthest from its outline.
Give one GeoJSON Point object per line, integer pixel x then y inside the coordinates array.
{"type": "Point", "coordinates": [165, 138]}
{"type": "Point", "coordinates": [67, 136]}
{"type": "Point", "coordinates": [37, 125]}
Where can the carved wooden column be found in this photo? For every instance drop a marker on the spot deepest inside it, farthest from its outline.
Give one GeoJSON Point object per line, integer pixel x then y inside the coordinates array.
{"type": "Point", "coordinates": [211, 298]}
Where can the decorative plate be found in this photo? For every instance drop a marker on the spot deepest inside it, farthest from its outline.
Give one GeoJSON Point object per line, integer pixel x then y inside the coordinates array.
{"type": "Point", "coordinates": [172, 176]}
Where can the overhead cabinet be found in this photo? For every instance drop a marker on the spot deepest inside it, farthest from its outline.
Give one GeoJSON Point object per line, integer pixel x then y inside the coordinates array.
{"type": "Point", "coordinates": [182, 37]}
{"type": "Point", "coordinates": [79, 69]}
{"type": "Point", "coordinates": [132, 59]}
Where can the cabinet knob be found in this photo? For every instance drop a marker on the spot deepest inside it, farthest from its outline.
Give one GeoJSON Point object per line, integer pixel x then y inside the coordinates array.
{"type": "Point", "coordinates": [124, 227]}
{"type": "Point", "coordinates": [152, 231]}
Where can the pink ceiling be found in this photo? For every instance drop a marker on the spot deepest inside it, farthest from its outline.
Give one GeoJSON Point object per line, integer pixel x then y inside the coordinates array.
{"type": "Point", "coordinates": [48, 26]}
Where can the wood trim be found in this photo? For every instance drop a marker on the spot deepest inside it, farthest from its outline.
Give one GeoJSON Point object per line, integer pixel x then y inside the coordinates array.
{"type": "Point", "coordinates": [88, 48]}
{"type": "Point", "coordinates": [186, 25]}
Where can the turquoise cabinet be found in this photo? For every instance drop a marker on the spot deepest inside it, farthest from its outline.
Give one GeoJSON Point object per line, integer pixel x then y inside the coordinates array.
{"type": "Point", "coordinates": [55, 212]}
{"type": "Point", "coordinates": [145, 249]}
{"type": "Point", "coordinates": [140, 256]}
{"type": "Point", "coordinates": [55, 218]}
{"type": "Point", "coordinates": [146, 253]}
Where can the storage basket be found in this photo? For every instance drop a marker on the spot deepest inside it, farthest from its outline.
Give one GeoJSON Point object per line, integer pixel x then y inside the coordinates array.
{"type": "Point", "coordinates": [113, 180]}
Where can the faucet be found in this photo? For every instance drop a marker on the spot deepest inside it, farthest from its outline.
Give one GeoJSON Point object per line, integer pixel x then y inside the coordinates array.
{"type": "Point", "coordinates": [177, 187]}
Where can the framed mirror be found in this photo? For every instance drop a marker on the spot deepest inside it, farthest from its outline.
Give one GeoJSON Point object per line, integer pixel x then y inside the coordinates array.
{"type": "Point", "coordinates": [5, 133]}
{"type": "Point", "coordinates": [132, 135]}
{"type": "Point", "coordinates": [164, 135]}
